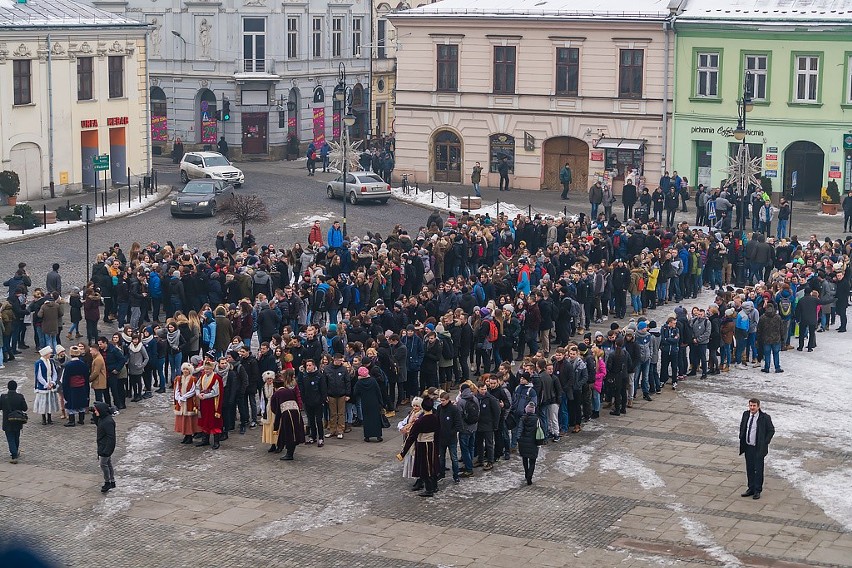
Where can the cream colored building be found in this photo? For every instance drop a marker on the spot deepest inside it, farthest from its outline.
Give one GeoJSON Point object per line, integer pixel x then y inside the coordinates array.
{"type": "Point", "coordinates": [73, 85]}
{"type": "Point", "coordinates": [586, 82]}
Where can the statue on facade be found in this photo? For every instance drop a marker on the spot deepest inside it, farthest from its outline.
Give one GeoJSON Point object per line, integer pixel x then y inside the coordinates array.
{"type": "Point", "coordinates": [204, 38]}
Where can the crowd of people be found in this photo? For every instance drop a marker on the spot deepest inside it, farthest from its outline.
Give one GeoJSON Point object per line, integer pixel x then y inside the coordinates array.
{"type": "Point", "coordinates": [478, 329]}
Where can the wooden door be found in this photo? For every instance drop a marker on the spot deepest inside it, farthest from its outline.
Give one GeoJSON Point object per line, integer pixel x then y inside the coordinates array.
{"type": "Point", "coordinates": [558, 151]}
{"type": "Point", "coordinates": [448, 157]}
{"type": "Point", "coordinates": [254, 132]}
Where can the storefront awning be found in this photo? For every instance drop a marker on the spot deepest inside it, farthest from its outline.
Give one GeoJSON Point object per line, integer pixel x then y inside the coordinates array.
{"type": "Point", "coordinates": [620, 143]}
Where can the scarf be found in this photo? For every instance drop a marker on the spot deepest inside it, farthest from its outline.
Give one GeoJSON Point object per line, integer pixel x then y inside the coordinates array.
{"type": "Point", "coordinates": [126, 337]}
{"type": "Point", "coordinates": [135, 348]}
{"type": "Point", "coordinates": [173, 337]}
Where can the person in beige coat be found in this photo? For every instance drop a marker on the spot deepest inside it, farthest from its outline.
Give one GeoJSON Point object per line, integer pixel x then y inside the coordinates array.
{"type": "Point", "coordinates": [51, 313]}
{"type": "Point", "coordinates": [98, 375]}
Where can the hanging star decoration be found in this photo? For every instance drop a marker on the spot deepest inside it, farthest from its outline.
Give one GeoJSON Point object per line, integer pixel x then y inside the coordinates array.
{"type": "Point", "coordinates": [353, 153]}
{"type": "Point", "coordinates": [743, 166]}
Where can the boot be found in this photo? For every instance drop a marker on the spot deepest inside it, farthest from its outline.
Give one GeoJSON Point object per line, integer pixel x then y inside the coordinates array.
{"type": "Point", "coordinates": [71, 423]}
{"type": "Point", "coordinates": [272, 448]}
{"type": "Point", "coordinates": [205, 441]}
{"type": "Point", "coordinates": [223, 436]}
{"type": "Point", "coordinates": [81, 418]}
{"type": "Point", "coordinates": [418, 485]}
{"type": "Point", "coordinates": [49, 419]}
{"type": "Point", "coordinates": [215, 441]}
{"type": "Point", "coordinates": [44, 420]}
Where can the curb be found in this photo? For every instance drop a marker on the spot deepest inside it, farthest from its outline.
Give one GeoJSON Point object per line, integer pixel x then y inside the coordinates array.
{"type": "Point", "coordinates": [65, 228]}
{"type": "Point", "coordinates": [445, 209]}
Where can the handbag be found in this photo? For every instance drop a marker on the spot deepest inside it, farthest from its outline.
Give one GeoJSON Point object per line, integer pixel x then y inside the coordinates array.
{"type": "Point", "coordinates": [385, 423]}
{"type": "Point", "coordinates": [539, 435]}
{"type": "Point", "coordinates": [18, 416]}
{"type": "Point", "coordinates": [511, 421]}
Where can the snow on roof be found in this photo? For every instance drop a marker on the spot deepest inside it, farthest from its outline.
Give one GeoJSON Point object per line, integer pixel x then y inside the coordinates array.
{"type": "Point", "coordinates": [58, 13]}
{"type": "Point", "coordinates": [566, 9]}
{"type": "Point", "coordinates": [768, 11]}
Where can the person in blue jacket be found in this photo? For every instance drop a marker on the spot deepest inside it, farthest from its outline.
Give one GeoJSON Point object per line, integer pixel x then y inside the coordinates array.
{"type": "Point", "coordinates": [325, 150]}
{"type": "Point", "coordinates": [334, 238]}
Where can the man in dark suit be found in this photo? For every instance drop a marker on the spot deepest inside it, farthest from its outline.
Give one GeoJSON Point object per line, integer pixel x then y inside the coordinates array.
{"type": "Point", "coordinates": [9, 402]}
{"type": "Point", "coordinates": [756, 431]}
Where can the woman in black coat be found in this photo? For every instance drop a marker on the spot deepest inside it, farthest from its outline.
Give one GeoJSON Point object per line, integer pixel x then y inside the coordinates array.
{"type": "Point", "coordinates": [368, 392]}
{"type": "Point", "coordinates": [527, 443]}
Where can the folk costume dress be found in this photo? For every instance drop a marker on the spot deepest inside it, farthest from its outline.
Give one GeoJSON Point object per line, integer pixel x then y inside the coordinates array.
{"type": "Point", "coordinates": [268, 434]}
{"type": "Point", "coordinates": [75, 386]}
{"type": "Point", "coordinates": [286, 405]}
{"type": "Point", "coordinates": [46, 400]}
{"type": "Point", "coordinates": [425, 433]}
{"type": "Point", "coordinates": [186, 405]}
{"type": "Point", "coordinates": [209, 390]}
{"type": "Point", "coordinates": [406, 424]}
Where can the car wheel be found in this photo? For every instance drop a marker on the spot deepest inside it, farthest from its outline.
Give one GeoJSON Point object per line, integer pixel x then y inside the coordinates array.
{"type": "Point", "coordinates": [329, 192]}
{"type": "Point", "coordinates": [383, 201]}
{"type": "Point", "coordinates": [183, 177]}
{"type": "Point", "coordinates": [213, 209]}
{"type": "Point", "coordinates": [353, 199]}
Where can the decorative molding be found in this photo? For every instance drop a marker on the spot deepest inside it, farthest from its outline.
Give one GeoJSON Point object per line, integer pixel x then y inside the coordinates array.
{"type": "Point", "coordinates": [254, 3]}
{"type": "Point", "coordinates": [204, 83]}
{"type": "Point", "coordinates": [22, 51]}
{"type": "Point", "coordinates": [4, 52]}
{"type": "Point", "coordinates": [116, 47]}
{"type": "Point", "coordinates": [155, 82]}
{"type": "Point", "coordinates": [85, 48]}
{"type": "Point", "coordinates": [57, 49]}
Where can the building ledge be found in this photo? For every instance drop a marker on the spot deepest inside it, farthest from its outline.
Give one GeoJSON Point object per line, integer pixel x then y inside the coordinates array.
{"type": "Point", "coordinates": [705, 99]}
{"type": "Point", "coordinates": [804, 105]}
{"type": "Point", "coordinates": [256, 77]}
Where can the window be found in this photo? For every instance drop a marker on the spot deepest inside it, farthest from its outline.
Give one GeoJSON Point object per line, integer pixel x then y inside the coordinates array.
{"type": "Point", "coordinates": [21, 79]}
{"type": "Point", "coordinates": [84, 78]}
{"type": "Point", "coordinates": [501, 146]}
{"type": "Point", "coordinates": [292, 37]}
{"type": "Point", "coordinates": [254, 45]}
{"type": "Point", "coordinates": [807, 78]}
{"type": "Point", "coordinates": [708, 75]}
{"type": "Point", "coordinates": [448, 68]}
{"type": "Point", "coordinates": [757, 70]}
{"type": "Point", "coordinates": [317, 37]}
{"type": "Point", "coordinates": [382, 33]}
{"type": "Point", "coordinates": [336, 36]}
{"type": "Point", "coordinates": [504, 69]}
{"type": "Point", "coordinates": [567, 70]}
{"type": "Point", "coordinates": [848, 85]}
{"type": "Point", "coordinates": [356, 37]}
{"type": "Point", "coordinates": [630, 73]}
{"type": "Point", "coordinates": [116, 76]}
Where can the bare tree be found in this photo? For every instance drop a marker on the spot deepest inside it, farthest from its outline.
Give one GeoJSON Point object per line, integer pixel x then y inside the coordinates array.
{"type": "Point", "coordinates": [244, 209]}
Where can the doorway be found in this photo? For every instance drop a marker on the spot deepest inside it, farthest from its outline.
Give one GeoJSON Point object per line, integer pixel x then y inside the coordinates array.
{"type": "Point", "coordinates": [25, 160]}
{"type": "Point", "coordinates": [807, 161]}
{"type": "Point", "coordinates": [558, 151]}
{"type": "Point", "coordinates": [254, 132]}
{"type": "Point", "coordinates": [448, 157]}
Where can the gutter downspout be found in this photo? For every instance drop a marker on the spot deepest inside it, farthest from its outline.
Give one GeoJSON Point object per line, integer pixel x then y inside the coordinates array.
{"type": "Point", "coordinates": [370, 133]}
{"type": "Point", "coordinates": [148, 142]}
{"type": "Point", "coordinates": [664, 160]}
{"type": "Point", "coordinates": [50, 117]}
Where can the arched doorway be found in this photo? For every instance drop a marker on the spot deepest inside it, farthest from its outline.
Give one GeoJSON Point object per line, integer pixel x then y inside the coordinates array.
{"type": "Point", "coordinates": [807, 160]}
{"type": "Point", "coordinates": [558, 151]}
{"type": "Point", "coordinates": [159, 122]}
{"type": "Point", "coordinates": [293, 123]}
{"type": "Point", "coordinates": [208, 129]}
{"type": "Point", "coordinates": [359, 109]}
{"type": "Point", "coordinates": [25, 160]}
{"type": "Point", "coordinates": [448, 156]}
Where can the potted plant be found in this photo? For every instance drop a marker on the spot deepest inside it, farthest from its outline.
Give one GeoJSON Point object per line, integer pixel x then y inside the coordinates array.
{"type": "Point", "coordinates": [10, 185]}
{"type": "Point", "coordinates": [73, 213]}
{"type": "Point", "coordinates": [830, 198]}
{"type": "Point", "coordinates": [292, 146]}
{"type": "Point", "coordinates": [22, 218]}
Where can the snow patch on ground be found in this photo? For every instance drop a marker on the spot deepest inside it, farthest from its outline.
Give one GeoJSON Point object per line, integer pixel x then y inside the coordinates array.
{"type": "Point", "coordinates": [699, 534]}
{"type": "Point", "coordinates": [424, 197]}
{"type": "Point", "coordinates": [630, 467]}
{"type": "Point", "coordinates": [505, 476]}
{"type": "Point", "coordinates": [143, 444]}
{"type": "Point", "coordinates": [576, 460]}
{"type": "Point", "coordinates": [829, 490]}
{"type": "Point", "coordinates": [341, 510]}
{"type": "Point", "coordinates": [308, 220]}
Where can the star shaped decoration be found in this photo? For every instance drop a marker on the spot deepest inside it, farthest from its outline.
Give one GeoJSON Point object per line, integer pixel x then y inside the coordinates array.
{"type": "Point", "coordinates": [353, 153]}
{"type": "Point", "coordinates": [743, 167]}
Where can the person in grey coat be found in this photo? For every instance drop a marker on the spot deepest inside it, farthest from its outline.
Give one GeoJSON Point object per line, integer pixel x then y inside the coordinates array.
{"type": "Point", "coordinates": [700, 338]}
{"type": "Point", "coordinates": [137, 360]}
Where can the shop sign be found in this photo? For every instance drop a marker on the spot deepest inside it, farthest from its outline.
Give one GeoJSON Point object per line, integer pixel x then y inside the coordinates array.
{"type": "Point", "coordinates": [117, 120]}
{"type": "Point", "coordinates": [847, 141]}
{"type": "Point", "coordinates": [92, 123]}
{"type": "Point", "coordinates": [772, 149]}
{"type": "Point", "coordinates": [597, 156]}
{"type": "Point", "coordinates": [771, 173]}
{"type": "Point", "coordinates": [834, 172]}
{"type": "Point", "coordinates": [726, 131]}
{"type": "Point", "coordinates": [771, 156]}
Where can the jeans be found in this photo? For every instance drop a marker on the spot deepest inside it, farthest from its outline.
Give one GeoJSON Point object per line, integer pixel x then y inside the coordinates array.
{"type": "Point", "coordinates": [653, 377]}
{"type": "Point", "coordinates": [529, 468]}
{"type": "Point", "coordinates": [13, 438]}
{"type": "Point", "coordinates": [752, 344]}
{"type": "Point", "coordinates": [466, 441]}
{"type": "Point", "coordinates": [595, 211]}
{"type": "Point", "coordinates": [476, 190]}
{"type": "Point", "coordinates": [452, 446]}
{"type": "Point", "coordinates": [135, 316]}
{"type": "Point", "coordinates": [775, 350]}
{"type": "Point", "coordinates": [781, 230]}
{"type": "Point", "coordinates": [662, 291]}
{"type": "Point", "coordinates": [91, 331]}
{"type": "Point", "coordinates": [123, 310]}
{"type": "Point", "coordinates": [175, 359]}
{"type": "Point", "coordinates": [726, 355]}
{"type": "Point", "coordinates": [504, 180]}
{"type": "Point", "coordinates": [155, 308]}
{"type": "Point", "coordinates": [160, 373]}
{"type": "Point", "coordinates": [106, 467]}
{"type": "Point", "coordinates": [49, 340]}
{"type": "Point", "coordinates": [596, 401]}
{"type": "Point", "coordinates": [700, 357]}
{"type": "Point", "coordinates": [636, 302]}
{"type": "Point", "coordinates": [563, 413]}
{"type": "Point", "coordinates": [641, 374]}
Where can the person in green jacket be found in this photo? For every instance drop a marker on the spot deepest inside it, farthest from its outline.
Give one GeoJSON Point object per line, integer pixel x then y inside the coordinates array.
{"type": "Point", "coordinates": [565, 179]}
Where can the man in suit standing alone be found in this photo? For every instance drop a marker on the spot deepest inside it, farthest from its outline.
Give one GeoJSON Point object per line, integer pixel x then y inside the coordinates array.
{"type": "Point", "coordinates": [756, 431]}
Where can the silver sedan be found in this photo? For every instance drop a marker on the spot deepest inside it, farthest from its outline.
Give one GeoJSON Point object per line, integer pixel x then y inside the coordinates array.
{"type": "Point", "coordinates": [360, 186]}
{"type": "Point", "coordinates": [201, 197]}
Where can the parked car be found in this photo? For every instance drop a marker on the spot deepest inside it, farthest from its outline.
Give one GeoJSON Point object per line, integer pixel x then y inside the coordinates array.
{"type": "Point", "coordinates": [211, 165]}
{"type": "Point", "coordinates": [360, 186]}
{"type": "Point", "coordinates": [201, 197]}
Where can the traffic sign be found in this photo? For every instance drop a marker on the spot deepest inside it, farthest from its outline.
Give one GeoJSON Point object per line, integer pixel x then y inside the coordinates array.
{"type": "Point", "coordinates": [101, 162]}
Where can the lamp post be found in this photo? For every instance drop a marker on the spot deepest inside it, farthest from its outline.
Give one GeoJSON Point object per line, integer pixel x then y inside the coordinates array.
{"type": "Point", "coordinates": [345, 122]}
{"type": "Point", "coordinates": [744, 106]}
{"type": "Point", "coordinates": [180, 37]}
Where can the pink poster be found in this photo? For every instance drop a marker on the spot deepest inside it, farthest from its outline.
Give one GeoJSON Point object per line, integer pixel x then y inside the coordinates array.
{"type": "Point", "coordinates": [291, 125]}
{"type": "Point", "coordinates": [336, 125]}
{"type": "Point", "coordinates": [319, 126]}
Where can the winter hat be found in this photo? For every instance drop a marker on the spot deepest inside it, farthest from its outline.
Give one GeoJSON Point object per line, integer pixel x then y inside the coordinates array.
{"type": "Point", "coordinates": [430, 326]}
{"type": "Point", "coordinates": [363, 372]}
{"type": "Point", "coordinates": [652, 325]}
{"type": "Point", "coordinates": [509, 308]}
{"type": "Point", "coordinates": [530, 408]}
{"type": "Point", "coordinates": [332, 327]}
{"type": "Point", "coordinates": [583, 349]}
{"type": "Point", "coordinates": [730, 312]}
{"type": "Point", "coordinates": [196, 360]}
{"type": "Point", "coordinates": [439, 328]}
{"type": "Point", "coordinates": [613, 326]}
{"type": "Point", "coordinates": [485, 312]}
{"type": "Point", "coordinates": [74, 351]}
{"type": "Point", "coordinates": [268, 375]}
{"type": "Point", "coordinates": [417, 401]}
{"type": "Point", "coordinates": [464, 387]}
{"type": "Point", "coordinates": [60, 349]}
{"type": "Point", "coordinates": [599, 334]}
{"type": "Point", "coordinates": [46, 350]}
{"type": "Point", "coordinates": [641, 325]}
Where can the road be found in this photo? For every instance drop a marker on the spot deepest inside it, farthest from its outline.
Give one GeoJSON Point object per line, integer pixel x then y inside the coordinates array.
{"type": "Point", "coordinates": [293, 199]}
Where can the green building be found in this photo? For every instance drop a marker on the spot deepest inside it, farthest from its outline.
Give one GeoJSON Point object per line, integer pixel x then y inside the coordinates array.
{"type": "Point", "coordinates": [797, 60]}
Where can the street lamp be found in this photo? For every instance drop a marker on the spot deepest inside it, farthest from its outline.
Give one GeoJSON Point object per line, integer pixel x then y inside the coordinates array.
{"type": "Point", "coordinates": [180, 37]}
{"type": "Point", "coordinates": [744, 106]}
{"type": "Point", "coordinates": [341, 95]}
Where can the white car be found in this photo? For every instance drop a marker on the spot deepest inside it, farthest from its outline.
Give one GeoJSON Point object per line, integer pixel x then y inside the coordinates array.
{"type": "Point", "coordinates": [360, 186]}
{"type": "Point", "coordinates": [212, 165]}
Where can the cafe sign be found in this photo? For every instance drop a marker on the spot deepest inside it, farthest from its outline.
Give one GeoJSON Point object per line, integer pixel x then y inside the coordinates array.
{"type": "Point", "coordinates": [726, 131]}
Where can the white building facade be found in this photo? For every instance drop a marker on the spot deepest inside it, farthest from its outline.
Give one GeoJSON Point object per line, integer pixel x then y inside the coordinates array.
{"type": "Point", "coordinates": [585, 82]}
{"type": "Point", "coordinates": [73, 85]}
{"type": "Point", "coordinates": [272, 65]}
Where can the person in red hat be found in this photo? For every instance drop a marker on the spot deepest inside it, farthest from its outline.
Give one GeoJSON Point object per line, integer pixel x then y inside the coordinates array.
{"type": "Point", "coordinates": [209, 391]}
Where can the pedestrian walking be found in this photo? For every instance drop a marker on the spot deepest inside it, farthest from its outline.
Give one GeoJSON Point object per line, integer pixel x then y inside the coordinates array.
{"type": "Point", "coordinates": [14, 408]}
{"type": "Point", "coordinates": [528, 440]}
{"type": "Point", "coordinates": [426, 434]}
{"type": "Point", "coordinates": [756, 431]}
{"type": "Point", "coordinates": [106, 443]}
{"type": "Point", "coordinates": [565, 180]}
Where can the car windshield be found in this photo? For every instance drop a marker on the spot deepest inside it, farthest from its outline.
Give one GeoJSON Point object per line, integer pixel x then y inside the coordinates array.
{"type": "Point", "coordinates": [198, 188]}
{"type": "Point", "coordinates": [213, 161]}
{"type": "Point", "coordinates": [370, 178]}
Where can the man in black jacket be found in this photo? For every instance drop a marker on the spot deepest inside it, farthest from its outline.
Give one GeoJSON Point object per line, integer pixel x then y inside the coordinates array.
{"type": "Point", "coordinates": [106, 444]}
{"type": "Point", "coordinates": [756, 431]}
{"type": "Point", "coordinates": [451, 424]}
{"type": "Point", "coordinates": [240, 380]}
{"type": "Point", "coordinates": [806, 315]}
{"type": "Point", "coordinates": [489, 420]}
{"type": "Point", "coordinates": [9, 402]}
{"type": "Point", "coordinates": [338, 388]}
{"type": "Point", "coordinates": [249, 363]}
{"type": "Point", "coordinates": [312, 388]}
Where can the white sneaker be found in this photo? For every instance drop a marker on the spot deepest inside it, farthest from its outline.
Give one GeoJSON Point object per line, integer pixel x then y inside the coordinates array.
{"type": "Point", "coordinates": [2, 366]}
{"type": "Point", "coordinates": [605, 318]}
{"type": "Point", "coordinates": [340, 436]}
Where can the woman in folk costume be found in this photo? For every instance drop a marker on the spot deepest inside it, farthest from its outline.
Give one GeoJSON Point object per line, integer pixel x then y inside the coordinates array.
{"type": "Point", "coordinates": [286, 406]}
{"type": "Point", "coordinates": [186, 404]}
{"type": "Point", "coordinates": [404, 426]}
{"type": "Point", "coordinates": [425, 436]}
{"type": "Point", "coordinates": [75, 386]}
{"type": "Point", "coordinates": [210, 393]}
{"type": "Point", "coordinates": [268, 433]}
{"type": "Point", "coordinates": [46, 384]}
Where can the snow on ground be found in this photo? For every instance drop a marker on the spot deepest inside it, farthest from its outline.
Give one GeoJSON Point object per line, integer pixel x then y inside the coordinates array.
{"type": "Point", "coordinates": [308, 220]}
{"type": "Point", "coordinates": [829, 490]}
{"type": "Point", "coordinates": [112, 211]}
{"type": "Point", "coordinates": [576, 460]}
{"type": "Point", "coordinates": [308, 517]}
{"type": "Point", "coordinates": [424, 197]}
{"type": "Point", "coordinates": [700, 535]}
{"type": "Point", "coordinates": [632, 468]}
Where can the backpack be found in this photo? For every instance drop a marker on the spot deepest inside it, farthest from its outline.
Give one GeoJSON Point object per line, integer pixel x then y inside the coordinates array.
{"type": "Point", "coordinates": [742, 321]}
{"type": "Point", "coordinates": [785, 306]}
{"type": "Point", "coordinates": [641, 284]}
{"type": "Point", "coordinates": [447, 350]}
{"type": "Point", "coordinates": [493, 333]}
{"type": "Point", "coordinates": [470, 412]}
{"type": "Point", "coordinates": [320, 300]}
{"type": "Point", "coordinates": [616, 240]}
